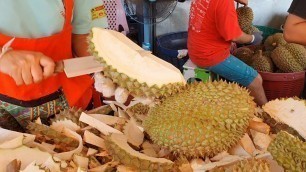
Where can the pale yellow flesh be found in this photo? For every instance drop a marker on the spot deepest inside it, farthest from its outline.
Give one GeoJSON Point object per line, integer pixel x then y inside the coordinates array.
{"type": "Point", "coordinates": [124, 55]}
{"type": "Point", "coordinates": [291, 112]}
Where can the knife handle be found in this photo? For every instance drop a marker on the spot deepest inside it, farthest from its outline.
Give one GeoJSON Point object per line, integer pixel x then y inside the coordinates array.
{"type": "Point", "coordinates": [59, 67]}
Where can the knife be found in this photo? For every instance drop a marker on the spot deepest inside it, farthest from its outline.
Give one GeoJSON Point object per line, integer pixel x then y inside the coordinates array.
{"type": "Point", "coordinates": [78, 66]}
{"type": "Point", "coordinates": [84, 65]}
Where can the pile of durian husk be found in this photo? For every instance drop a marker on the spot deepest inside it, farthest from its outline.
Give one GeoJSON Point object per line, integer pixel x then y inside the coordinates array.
{"type": "Point", "coordinates": [116, 137]}
{"type": "Point", "coordinates": [167, 126]}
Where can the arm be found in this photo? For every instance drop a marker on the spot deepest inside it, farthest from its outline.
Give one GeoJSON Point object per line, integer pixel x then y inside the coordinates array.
{"type": "Point", "coordinates": [243, 39]}
{"type": "Point", "coordinates": [80, 45]}
{"type": "Point", "coordinates": [295, 29]}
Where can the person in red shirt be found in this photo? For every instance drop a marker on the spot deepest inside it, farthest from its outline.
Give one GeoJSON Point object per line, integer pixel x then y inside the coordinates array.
{"type": "Point", "coordinates": [213, 26]}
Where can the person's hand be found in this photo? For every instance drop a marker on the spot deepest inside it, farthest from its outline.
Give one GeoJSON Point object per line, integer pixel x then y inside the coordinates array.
{"type": "Point", "coordinates": [257, 38]}
{"type": "Point", "coordinates": [26, 67]}
{"type": "Point", "coordinates": [244, 2]}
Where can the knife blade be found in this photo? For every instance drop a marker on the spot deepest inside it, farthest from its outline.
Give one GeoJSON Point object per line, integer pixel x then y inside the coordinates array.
{"type": "Point", "coordinates": [78, 66]}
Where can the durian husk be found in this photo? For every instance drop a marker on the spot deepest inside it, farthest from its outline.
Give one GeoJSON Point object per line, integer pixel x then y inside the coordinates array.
{"type": "Point", "coordinates": [119, 149]}
{"type": "Point", "coordinates": [72, 114]}
{"type": "Point", "coordinates": [134, 87]}
{"type": "Point", "coordinates": [298, 52]}
{"type": "Point", "coordinates": [139, 111]}
{"type": "Point", "coordinates": [254, 165]}
{"type": "Point", "coordinates": [203, 120]}
{"type": "Point", "coordinates": [245, 15]}
{"type": "Point", "coordinates": [289, 152]}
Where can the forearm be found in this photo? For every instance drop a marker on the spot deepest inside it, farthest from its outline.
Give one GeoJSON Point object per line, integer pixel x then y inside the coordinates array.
{"type": "Point", "coordinates": [295, 30]}
{"type": "Point", "coordinates": [80, 45]}
{"type": "Point", "coordinates": [243, 39]}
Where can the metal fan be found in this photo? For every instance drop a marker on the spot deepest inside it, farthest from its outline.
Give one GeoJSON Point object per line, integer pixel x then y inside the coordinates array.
{"type": "Point", "coordinates": [148, 13]}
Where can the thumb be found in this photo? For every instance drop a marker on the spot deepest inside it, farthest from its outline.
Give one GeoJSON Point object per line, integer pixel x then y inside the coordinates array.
{"type": "Point", "coordinates": [48, 66]}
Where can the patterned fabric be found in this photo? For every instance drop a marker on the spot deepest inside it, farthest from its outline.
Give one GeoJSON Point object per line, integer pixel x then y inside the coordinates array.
{"type": "Point", "coordinates": [16, 118]}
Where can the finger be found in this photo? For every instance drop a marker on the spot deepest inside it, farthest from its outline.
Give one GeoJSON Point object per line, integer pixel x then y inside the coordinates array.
{"type": "Point", "coordinates": [48, 66]}
{"type": "Point", "coordinates": [37, 73]}
{"type": "Point", "coordinates": [16, 75]}
{"type": "Point", "coordinates": [26, 74]}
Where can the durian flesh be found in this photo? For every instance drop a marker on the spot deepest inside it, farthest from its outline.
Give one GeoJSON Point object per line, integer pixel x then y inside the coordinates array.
{"type": "Point", "coordinates": [203, 120]}
{"type": "Point", "coordinates": [289, 111]}
{"type": "Point", "coordinates": [129, 66]}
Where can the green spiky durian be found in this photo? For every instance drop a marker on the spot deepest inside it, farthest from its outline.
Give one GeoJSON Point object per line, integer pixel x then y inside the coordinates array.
{"type": "Point", "coordinates": [254, 165]}
{"type": "Point", "coordinates": [289, 152]}
{"type": "Point", "coordinates": [274, 41]}
{"type": "Point", "coordinates": [118, 147]}
{"type": "Point", "coordinates": [298, 52]}
{"type": "Point", "coordinates": [72, 114]}
{"type": "Point", "coordinates": [262, 63]}
{"type": "Point", "coordinates": [132, 68]}
{"type": "Point", "coordinates": [139, 111]}
{"type": "Point", "coordinates": [203, 120]}
{"type": "Point", "coordinates": [244, 54]}
{"type": "Point", "coordinates": [284, 60]}
{"type": "Point", "coordinates": [245, 18]}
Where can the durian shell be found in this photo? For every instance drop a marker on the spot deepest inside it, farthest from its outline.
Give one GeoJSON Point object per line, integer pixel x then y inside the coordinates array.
{"type": "Point", "coordinates": [298, 52]}
{"type": "Point", "coordinates": [117, 146]}
{"type": "Point", "coordinates": [273, 41]}
{"type": "Point", "coordinates": [262, 63]}
{"type": "Point", "coordinates": [203, 120]}
{"type": "Point", "coordinates": [284, 60]}
{"type": "Point", "coordinates": [134, 87]}
{"type": "Point", "coordinates": [253, 165]}
{"type": "Point", "coordinates": [244, 54]}
{"type": "Point", "coordinates": [289, 152]}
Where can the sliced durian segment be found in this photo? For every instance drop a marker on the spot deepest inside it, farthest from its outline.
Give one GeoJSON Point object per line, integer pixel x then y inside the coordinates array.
{"type": "Point", "coordinates": [253, 165]}
{"type": "Point", "coordinates": [129, 66]}
{"type": "Point", "coordinates": [118, 147]}
{"type": "Point", "coordinates": [291, 112]}
{"type": "Point", "coordinates": [203, 120]}
{"type": "Point", "coordinates": [289, 152]}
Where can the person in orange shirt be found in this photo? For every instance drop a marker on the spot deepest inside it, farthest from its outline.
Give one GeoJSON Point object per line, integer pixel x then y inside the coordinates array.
{"type": "Point", "coordinates": [42, 33]}
{"type": "Point", "coordinates": [213, 25]}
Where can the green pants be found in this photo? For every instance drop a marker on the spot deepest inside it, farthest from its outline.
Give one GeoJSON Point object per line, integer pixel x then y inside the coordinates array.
{"type": "Point", "coordinates": [16, 117]}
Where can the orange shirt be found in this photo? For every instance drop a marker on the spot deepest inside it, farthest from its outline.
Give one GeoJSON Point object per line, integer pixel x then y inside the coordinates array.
{"type": "Point", "coordinates": [212, 26]}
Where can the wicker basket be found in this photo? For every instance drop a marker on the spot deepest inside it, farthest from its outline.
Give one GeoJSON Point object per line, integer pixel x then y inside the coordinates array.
{"type": "Point", "coordinates": [281, 85]}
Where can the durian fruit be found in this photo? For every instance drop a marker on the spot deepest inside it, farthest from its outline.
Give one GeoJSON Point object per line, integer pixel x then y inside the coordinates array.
{"type": "Point", "coordinates": [244, 54]}
{"type": "Point", "coordinates": [274, 41]}
{"type": "Point", "coordinates": [253, 165]}
{"type": "Point", "coordinates": [298, 52]}
{"type": "Point", "coordinates": [284, 114]}
{"type": "Point", "coordinates": [132, 68]}
{"type": "Point", "coordinates": [245, 19]}
{"type": "Point", "coordinates": [289, 152]}
{"type": "Point", "coordinates": [138, 111]}
{"type": "Point", "coordinates": [262, 63]}
{"type": "Point", "coordinates": [203, 120]}
{"type": "Point", "coordinates": [72, 114]}
{"type": "Point", "coordinates": [285, 60]}
{"type": "Point", "coordinates": [118, 147]}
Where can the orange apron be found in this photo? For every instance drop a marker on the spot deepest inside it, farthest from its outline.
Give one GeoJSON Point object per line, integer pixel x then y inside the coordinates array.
{"type": "Point", "coordinates": [77, 90]}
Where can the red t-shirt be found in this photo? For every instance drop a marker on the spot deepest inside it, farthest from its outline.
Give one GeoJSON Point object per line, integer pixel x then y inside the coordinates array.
{"type": "Point", "coordinates": [212, 26]}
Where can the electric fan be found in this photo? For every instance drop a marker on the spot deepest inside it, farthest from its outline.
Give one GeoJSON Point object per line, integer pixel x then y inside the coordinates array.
{"type": "Point", "coordinates": [148, 13]}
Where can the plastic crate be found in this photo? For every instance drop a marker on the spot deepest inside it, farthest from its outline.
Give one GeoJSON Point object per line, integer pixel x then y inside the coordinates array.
{"type": "Point", "coordinates": [267, 31]}
{"type": "Point", "coordinates": [168, 46]}
{"type": "Point", "coordinates": [281, 85]}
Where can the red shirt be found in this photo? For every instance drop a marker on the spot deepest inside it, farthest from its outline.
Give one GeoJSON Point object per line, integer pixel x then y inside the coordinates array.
{"type": "Point", "coordinates": [212, 26]}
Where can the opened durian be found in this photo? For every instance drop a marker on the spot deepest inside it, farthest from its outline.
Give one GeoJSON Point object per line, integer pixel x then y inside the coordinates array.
{"type": "Point", "coordinates": [274, 41]}
{"type": "Point", "coordinates": [118, 147]}
{"type": "Point", "coordinates": [285, 114]}
{"type": "Point", "coordinates": [203, 120]}
{"type": "Point", "coordinates": [289, 152]}
{"type": "Point", "coordinates": [132, 68]}
{"type": "Point", "coordinates": [262, 63]}
{"type": "Point", "coordinates": [253, 165]}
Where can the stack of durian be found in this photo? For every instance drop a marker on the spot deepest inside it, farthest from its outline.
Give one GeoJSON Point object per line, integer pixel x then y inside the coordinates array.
{"type": "Point", "coordinates": [275, 55]}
